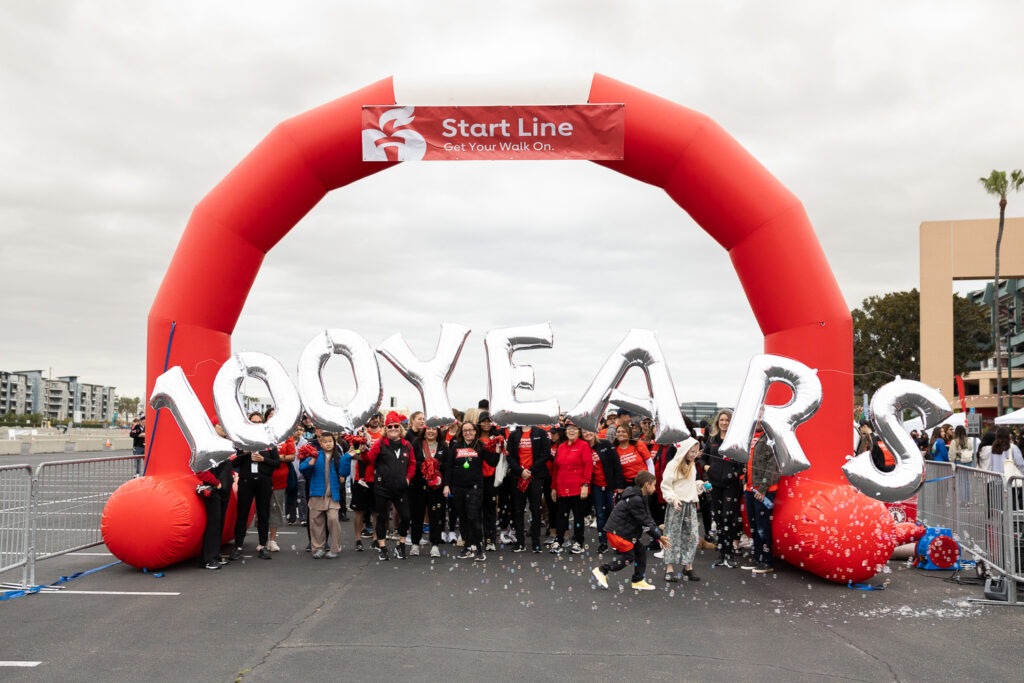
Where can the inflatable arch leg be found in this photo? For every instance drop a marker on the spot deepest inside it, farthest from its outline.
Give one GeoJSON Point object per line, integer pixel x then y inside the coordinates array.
{"type": "Point", "coordinates": [821, 523]}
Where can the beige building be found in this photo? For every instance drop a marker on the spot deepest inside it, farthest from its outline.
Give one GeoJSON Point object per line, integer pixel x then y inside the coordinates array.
{"type": "Point", "coordinates": [962, 250]}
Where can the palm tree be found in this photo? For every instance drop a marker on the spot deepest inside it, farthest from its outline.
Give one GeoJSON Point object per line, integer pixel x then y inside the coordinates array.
{"type": "Point", "coordinates": [997, 184]}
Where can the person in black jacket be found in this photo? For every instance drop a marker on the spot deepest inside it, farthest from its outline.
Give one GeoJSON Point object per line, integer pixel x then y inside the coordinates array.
{"type": "Point", "coordinates": [726, 477]}
{"type": "Point", "coordinates": [215, 491]}
{"type": "Point", "coordinates": [255, 483]}
{"type": "Point", "coordinates": [464, 480]}
{"type": "Point", "coordinates": [425, 495]}
{"type": "Point", "coordinates": [629, 520]}
{"type": "Point", "coordinates": [606, 482]}
{"type": "Point", "coordinates": [528, 470]}
{"type": "Point", "coordinates": [393, 469]}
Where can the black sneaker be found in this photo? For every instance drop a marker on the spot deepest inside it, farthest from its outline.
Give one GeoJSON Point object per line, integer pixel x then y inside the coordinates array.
{"type": "Point", "coordinates": [400, 551]}
{"type": "Point", "coordinates": [479, 557]}
{"type": "Point", "coordinates": [602, 548]}
{"type": "Point", "coordinates": [763, 568]}
{"type": "Point", "coordinates": [519, 548]}
{"type": "Point", "coordinates": [213, 565]}
{"type": "Point", "coordinates": [366, 533]}
{"type": "Point", "coordinates": [748, 565]}
{"type": "Point", "coordinates": [382, 553]}
{"type": "Point", "coordinates": [466, 553]}
{"type": "Point", "coordinates": [264, 553]}
{"type": "Point", "coordinates": [359, 545]}
{"type": "Point", "coordinates": [344, 515]}
{"type": "Point", "coordinates": [236, 554]}
{"type": "Point", "coordinates": [536, 548]}
{"type": "Point", "coordinates": [221, 561]}
{"type": "Point", "coordinates": [726, 562]}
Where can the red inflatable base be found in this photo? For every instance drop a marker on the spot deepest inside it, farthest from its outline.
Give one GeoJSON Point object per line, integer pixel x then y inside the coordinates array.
{"type": "Point", "coordinates": [151, 523]}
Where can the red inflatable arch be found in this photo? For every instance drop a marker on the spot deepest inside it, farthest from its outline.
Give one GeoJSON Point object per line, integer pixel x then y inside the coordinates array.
{"type": "Point", "coordinates": [821, 523]}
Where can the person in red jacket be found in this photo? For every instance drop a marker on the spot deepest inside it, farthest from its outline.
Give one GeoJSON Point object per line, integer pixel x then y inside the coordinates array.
{"type": "Point", "coordinates": [571, 473]}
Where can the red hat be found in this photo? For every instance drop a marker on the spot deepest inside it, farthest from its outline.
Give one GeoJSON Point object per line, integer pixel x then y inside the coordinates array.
{"type": "Point", "coordinates": [393, 418]}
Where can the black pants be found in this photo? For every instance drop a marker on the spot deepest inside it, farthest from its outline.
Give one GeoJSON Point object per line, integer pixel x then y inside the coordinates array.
{"type": "Point", "coordinates": [427, 501]}
{"type": "Point", "coordinates": [533, 494]}
{"type": "Point", "coordinates": [725, 505]}
{"type": "Point", "coordinates": [704, 505]}
{"type": "Point", "coordinates": [505, 502]}
{"type": "Point", "coordinates": [638, 556]}
{"type": "Point", "coordinates": [467, 506]}
{"type": "Point", "coordinates": [578, 507]}
{"type": "Point", "coordinates": [257, 488]}
{"type": "Point", "coordinates": [213, 533]}
{"type": "Point", "coordinates": [489, 510]}
{"type": "Point", "coordinates": [401, 503]}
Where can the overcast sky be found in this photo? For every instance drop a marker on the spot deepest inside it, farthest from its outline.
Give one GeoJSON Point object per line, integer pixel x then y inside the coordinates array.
{"type": "Point", "coordinates": [118, 117]}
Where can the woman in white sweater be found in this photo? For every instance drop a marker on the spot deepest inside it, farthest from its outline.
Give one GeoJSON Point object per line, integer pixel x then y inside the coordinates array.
{"type": "Point", "coordinates": [679, 488]}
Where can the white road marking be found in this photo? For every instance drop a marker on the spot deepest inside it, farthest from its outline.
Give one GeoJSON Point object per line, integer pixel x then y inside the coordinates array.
{"type": "Point", "coordinates": [69, 592]}
{"type": "Point", "coordinates": [17, 663]}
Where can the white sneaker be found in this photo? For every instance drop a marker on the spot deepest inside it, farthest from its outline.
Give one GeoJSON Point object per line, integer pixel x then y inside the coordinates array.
{"type": "Point", "coordinates": [435, 551]}
{"type": "Point", "coordinates": [504, 538]}
{"type": "Point", "coordinates": [490, 547]}
{"type": "Point", "coordinates": [273, 546]}
{"type": "Point", "coordinates": [660, 554]}
{"type": "Point", "coordinates": [602, 578]}
{"type": "Point", "coordinates": [446, 537]}
{"type": "Point", "coordinates": [576, 549]}
{"type": "Point", "coordinates": [414, 550]}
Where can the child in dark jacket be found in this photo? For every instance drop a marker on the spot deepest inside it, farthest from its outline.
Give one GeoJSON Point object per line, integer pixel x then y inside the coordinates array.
{"type": "Point", "coordinates": [629, 520]}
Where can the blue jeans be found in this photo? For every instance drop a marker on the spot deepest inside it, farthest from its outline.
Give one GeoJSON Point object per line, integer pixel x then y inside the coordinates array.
{"type": "Point", "coordinates": [603, 503]}
{"type": "Point", "coordinates": [760, 518]}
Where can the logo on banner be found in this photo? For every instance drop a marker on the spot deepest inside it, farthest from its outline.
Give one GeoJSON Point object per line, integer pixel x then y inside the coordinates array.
{"type": "Point", "coordinates": [392, 140]}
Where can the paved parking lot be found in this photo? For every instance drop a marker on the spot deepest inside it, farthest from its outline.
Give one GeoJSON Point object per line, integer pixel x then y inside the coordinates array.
{"type": "Point", "coordinates": [516, 617]}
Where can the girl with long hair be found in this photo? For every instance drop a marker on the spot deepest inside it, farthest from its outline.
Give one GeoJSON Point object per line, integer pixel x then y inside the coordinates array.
{"type": "Point", "coordinates": [679, 488]}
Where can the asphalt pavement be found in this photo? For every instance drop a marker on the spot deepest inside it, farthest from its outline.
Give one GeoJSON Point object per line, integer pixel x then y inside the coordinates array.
{"type": "Point", "coordinates": [514, 617]}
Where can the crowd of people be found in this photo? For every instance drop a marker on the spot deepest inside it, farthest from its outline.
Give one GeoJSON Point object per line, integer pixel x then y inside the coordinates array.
{"type": "Point", "coordinates": [471, 486]}
{"type": "Point", "coordinates": [997, 446]}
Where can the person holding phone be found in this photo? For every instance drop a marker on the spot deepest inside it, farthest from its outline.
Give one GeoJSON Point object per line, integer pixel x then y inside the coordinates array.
{"type": "Point", "coordinates": [255, 485]}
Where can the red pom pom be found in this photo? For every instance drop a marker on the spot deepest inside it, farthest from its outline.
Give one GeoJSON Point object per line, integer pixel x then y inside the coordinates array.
{"type": "Point", "coordinates": [431, 471]}
{"type": "Point", "coordinates": [522, 484]}
{"type": "Point", "coordinates": [206, 477]}
{"type": "Point", "coordinates": [307, 451]}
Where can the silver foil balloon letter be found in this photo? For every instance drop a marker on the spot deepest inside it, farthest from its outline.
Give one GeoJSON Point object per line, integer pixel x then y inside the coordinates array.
{"type": "Point", "coordinates": [227, 398]}
{"type": "Point", "coordinates": [429, 377]}
{"type": "Point", "coordinates": [504, 377]}
{"type": "Point", "coordinates": [887, 405]}
{"type": "Point", "coordinates": [172, 391]}
{"type": "Point", "coordinates": [640, 349]}
{"type": "Point", "coordinates": [779, 422]}
{"type": "Point", "coordinates": [325, 413]}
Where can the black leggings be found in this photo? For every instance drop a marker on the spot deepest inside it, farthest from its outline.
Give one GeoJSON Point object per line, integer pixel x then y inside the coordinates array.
{"type": "Point", "coordinates": [489, 510]}
{"type": "Point", "coordinates": [401, 503]}
{"type": "Point", "coordinates": [467, 505]}
{"type": "Point", "coordinates": [259, 489]}
{"type": "Point", "coordinates": [725, 504]}
{"type": "Point", "coordinates": [638, 556]}
{"type": "Point", "coordinates": [578, 506]}
{"type": "Point", "coordinates": [216, 508]}
{"type": "Point", "coordinates": [427, 501]}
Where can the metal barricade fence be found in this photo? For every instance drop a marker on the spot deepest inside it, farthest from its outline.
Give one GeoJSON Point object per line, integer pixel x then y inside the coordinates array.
{"type": "Point", "coordinates": [982, 514]}
{"type": "Point", "coordinates": [1015, 488]}
{"type": "Point", "coordinates": [58, 507]}
{"type": "Point", "coordinates": [15, 504]}
{"type": "Point", "coordinates": [936, 501]}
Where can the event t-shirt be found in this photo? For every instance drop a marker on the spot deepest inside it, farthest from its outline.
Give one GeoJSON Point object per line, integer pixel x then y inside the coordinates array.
{"type": "Point", "coordinates": [525, 452]}
{"type": "Point", "coordinates": [597, 473]}
{"type": "Point", "coordinates": [633, 458]}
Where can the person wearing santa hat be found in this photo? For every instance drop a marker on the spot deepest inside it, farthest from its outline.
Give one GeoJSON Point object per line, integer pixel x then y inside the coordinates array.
{"type": "Point", "coordinates": [393, 468]}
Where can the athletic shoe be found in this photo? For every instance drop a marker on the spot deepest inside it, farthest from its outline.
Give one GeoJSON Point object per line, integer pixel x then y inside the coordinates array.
{"type": "Point", "coordinates": [601, 577]}
{"type": "Point", "coordinates": [366, 533]}
{"type": "Point", "coordinates": [466, 554]}
{"type": "Point", "coordinates": [291, 522]}
{"type": "Point", "coordinates": [690, 576]}
{"type": "Point", "coordinates": [446, 537]}
{"type": "Point", "coordinates": [551, 541]}
{"type": "Point", "coordinates": [221, 561]}
{"type": "Point", "coordinates": [344, 515]}
{"type": "Point", "coordinates": [309, 547]}
{"type": "Point", "coordinates": [602, 548]}
{"type": "Point", "coordinates": [536, 548]}
{"type": "Point", "coordinates": [212, 565]}
{"type": "Point", "coordinates": [479, 557]}
{"type": "Point", "coordinates": [519, 548]}
{"type": "Point", "coordinates": [726, 562]}
{"type": "Point", "coordinates": [491, 547]}
{"type": "Point", "coordinates": [414, 550]}
{"type": "Point", "coordinates": [555, 549]}
{"type": "Point", "coordinates": [748, 565]}
{"type": "Point", "coordinates": [331, 556]}
{"type": "Point", "coordinates": [319, 554]}
{"type": "Point", "coordinates": [236, 554]}
{"type": "Point", "coordinates": [359, 546]}
{"type": "Point", "coordinates": [763, 568]}
{"type": "Point", "coordinates": [435, 551]}
{"type": "Point", "coordinates": [642, 585]}
{"type": "Point", "coordinates": [400, 551]}
{"type": "Point", "coordinates": [660, 554]}
{"type": "Point", "coordinates": [576, 549]}
{"type": "Point", "coordinates": [382, 553]}
{"type": "Point", "coordinates": [264, 553]}
{"type": "Point", "coordinates": [274, 547]}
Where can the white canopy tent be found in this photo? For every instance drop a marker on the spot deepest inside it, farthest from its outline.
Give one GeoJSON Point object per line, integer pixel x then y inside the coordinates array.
{"type": "Point", "coordinates": [1014, 418]}
{"type": "Point", "coordinates": [956, 420]}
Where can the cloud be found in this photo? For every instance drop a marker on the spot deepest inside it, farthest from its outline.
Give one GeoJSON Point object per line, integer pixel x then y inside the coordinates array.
{"type": "Point", "coordinates": [119, 118]}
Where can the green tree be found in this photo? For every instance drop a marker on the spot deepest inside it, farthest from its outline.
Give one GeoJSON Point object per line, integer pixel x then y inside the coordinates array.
{"type": "Point", "coordinates": [997, 184]}
{"type": "Point", "coordinates": [127, 407]}
{"type": "Point", "coordinates": [887, 338]}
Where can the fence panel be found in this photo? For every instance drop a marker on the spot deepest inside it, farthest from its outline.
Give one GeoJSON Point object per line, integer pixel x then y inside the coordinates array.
{"type": "Point", "coordinates": [936, 501]}
{"type": "Point", "coordinates": [68, 501]}
{"type": "Point", "coordinates": [982, 512]}
{"type": "Point", "coordinates": [15, 516]}
{"type": "Point", "coordinates": [1015, 486]}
